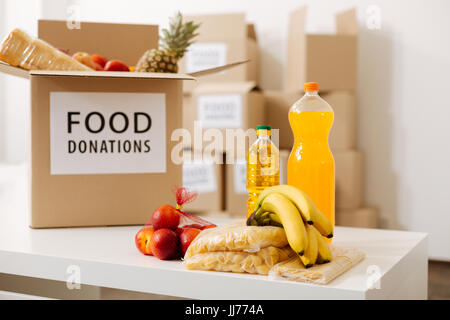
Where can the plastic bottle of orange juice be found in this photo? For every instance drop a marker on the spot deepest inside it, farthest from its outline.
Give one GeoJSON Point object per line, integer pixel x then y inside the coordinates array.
{"type": "Point", "coordinates": [311, 163]}
{"type": "Point", "coordinates": [263, 166]}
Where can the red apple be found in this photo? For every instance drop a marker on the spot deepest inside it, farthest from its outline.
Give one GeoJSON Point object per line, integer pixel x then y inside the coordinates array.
{"type": "Point", "coordinates": [85, 59]}
{"type": "Point", "coordinates": [99, 59]}
{"type": "Point", "coordinates": [142, 240]}
{"type": "Point", "coordinates": [186, 237]}
{"type": "Point", "coordinates": [165, 217]}
{"type": "Point", "coordinates": [164, 244]}
{"type": "Point", "coordinates": [116, 65]}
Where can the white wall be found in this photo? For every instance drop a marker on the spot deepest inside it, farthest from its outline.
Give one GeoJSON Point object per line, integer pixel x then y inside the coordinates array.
{"type": "Point", "coordinates": [403, 78]}
{"type": "Point", "coordinates": [15, 92]}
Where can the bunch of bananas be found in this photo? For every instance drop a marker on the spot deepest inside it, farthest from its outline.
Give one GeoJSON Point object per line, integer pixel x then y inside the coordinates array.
{"type": "Point", "coordinates": [305, 226]}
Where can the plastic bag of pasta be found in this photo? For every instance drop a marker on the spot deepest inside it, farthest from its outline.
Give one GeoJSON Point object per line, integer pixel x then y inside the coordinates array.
{"type": "Point", "coordinates": [238, 248]}
{"type": "Point", "coordinates": [240, 261]}
{"type": "Point", "coordinates": [237, 237]}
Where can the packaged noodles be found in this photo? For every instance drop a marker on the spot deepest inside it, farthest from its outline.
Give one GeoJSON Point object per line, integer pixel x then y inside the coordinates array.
{"type": "Point", "coordinates": [237, 237]}
{"type": "Point", "coordinates": [238, 248]}
{"type": "Point", "coordinates": [259, 262]}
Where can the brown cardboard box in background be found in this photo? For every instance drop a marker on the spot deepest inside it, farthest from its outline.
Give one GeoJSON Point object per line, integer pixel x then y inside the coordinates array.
{"type": "Point", "coordinates": [205, 176]}
{"type": "Point", "coordinates": [329, 59]}
{"type": "Point", "coordinates": [277, 105]}
{"type": "Point", "coordinates": [343, 132]}
{"type": "Point", "coordinates": [222, 39]}
{"type": "Point", "coordinates": [349, 167]}
{"type": "Point", "coordinates": [86, 171]}
{"type": "Point", "coordinates": [367, 217]}
{"type": "Point", "coordinates": [227, 105]}
{"type": "Point", "coordinates": [235, 184]}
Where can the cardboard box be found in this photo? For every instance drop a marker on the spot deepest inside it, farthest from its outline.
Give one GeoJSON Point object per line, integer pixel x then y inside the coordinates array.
{"type": "Point", "coordinates": [343, 132]}
{"type": "Point", "coordinates": [205, 176]}
{"type": "Point", "coordinates": [222, 39]}
{"type": "Point", "coordinates": [218, 109]}
{"type": "Point", "coordinates": [367, 217]}
{"type": "Point", "coordinates": [349, 179]}
{"type": "Point", "coordinates": [235, 184]}
{"type": "Point", "coordinates": [101, 141]}
{"type": "Point", "coordinates": [329, 59]}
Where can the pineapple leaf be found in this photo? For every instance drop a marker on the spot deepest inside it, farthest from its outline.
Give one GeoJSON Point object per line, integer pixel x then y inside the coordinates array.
{"type": "Point", "coordinates": [179, 36]}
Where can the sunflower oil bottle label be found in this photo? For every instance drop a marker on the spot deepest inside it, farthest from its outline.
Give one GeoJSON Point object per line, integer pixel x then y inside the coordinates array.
{"type": "Point", "coordinates": [240, 177]}
{"type": "Point", "coordinates": [201, 56]}
{"type": "Point", "coordinates": [107, 133]}
{"type": "Point", "coordinates": [220, 110]}
{"type": "Point", "coordinates": [200, 176]}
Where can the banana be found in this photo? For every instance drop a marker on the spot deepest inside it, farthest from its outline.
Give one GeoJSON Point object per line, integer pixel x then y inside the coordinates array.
{"type": "Point", "coordinates": [324, 254]}
{"type": "Point", "coordinates": [323, 225]}
{"type": "Point", "coordinates": [301, 200]}
{"type": "Point", "coordinates": [311, 253]}
{"type": "Point", "coordinates": [290, 219]}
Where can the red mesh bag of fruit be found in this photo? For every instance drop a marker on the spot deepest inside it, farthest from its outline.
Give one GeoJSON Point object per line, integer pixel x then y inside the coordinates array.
{"type": "Point", "coordinates": [169, 231]}
{"type": "Point", "coordinates": [186, 220]}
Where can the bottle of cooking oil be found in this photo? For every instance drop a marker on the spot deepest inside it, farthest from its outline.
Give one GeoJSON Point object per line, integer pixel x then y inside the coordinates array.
{"type": "Point", "coordinates": [263, 166]}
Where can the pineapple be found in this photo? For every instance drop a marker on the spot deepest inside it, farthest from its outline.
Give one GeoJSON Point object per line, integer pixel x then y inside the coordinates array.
{"type": "Point", "coordinates": [173, 46]}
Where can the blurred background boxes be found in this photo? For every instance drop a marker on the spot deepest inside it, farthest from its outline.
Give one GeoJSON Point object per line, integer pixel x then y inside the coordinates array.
{"type": "Point", "coordinates": [349, 179]}
{"type": "Point", "coordinates": [367, 217]}
{"type": "Point", "coordinates": [223, 39]}
{"type": "Point", "coordinates": [204, 176]}
{"type": "Point", "coordinates": [330, 60]}
{"type": "Point", "coordinates": [226, 105]}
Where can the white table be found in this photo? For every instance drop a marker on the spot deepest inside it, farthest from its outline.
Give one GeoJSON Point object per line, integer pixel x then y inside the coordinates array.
{"type": "Point", "coordinates": [107, 257]}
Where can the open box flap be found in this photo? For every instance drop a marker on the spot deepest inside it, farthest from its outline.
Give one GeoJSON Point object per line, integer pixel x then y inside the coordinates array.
{"type": "Point", "coordinates": [346, 22]}
{"type": "Point", "coordinates": [297, 22]}
{"type": "Point", "coordinates": [217, 69]}
{"type": "Point", "coordinates": [112, 74]}
{"type": "Point", "coordinates": [14, 71]}
{"type": "Point", "coordinates": [19, 72]}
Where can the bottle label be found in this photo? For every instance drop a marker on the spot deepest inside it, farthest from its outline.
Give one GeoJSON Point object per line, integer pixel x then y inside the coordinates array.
{"type": "Point", "coordinates": [240, 177]}
{"type": "Point", "coordinates": [200, 176]}
{"type": "Point", "coordinates": [202, 56]}
{"type": "Point", "coordinates": [220, 110]}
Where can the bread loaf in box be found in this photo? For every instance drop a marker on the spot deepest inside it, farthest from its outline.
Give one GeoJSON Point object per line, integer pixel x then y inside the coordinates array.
{"type": "Point", "coordinates": [20, 50]}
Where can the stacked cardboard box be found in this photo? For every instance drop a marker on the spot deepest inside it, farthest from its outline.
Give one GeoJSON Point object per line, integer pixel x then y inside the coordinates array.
{"type": "Point", "coordinates": [227, 102]}
{"type": "Point", "coordinates": [330, 60]}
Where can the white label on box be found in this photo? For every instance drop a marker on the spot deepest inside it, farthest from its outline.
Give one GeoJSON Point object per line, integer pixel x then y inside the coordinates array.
{"type": "Point", "coordinates": [202, 56]}
{"type": "Point", "coordinates": [240, 177]}
{"type": "Point", "coordinates": [107, 133]}
{"type": "Point", "coordinates": [200, 176]}
{"type": "Point", "coordinates": [220, 110]}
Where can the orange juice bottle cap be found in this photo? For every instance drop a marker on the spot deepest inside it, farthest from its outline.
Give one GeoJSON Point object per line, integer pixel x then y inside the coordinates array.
{"type": "Point", "coordinates": [311, 86]}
